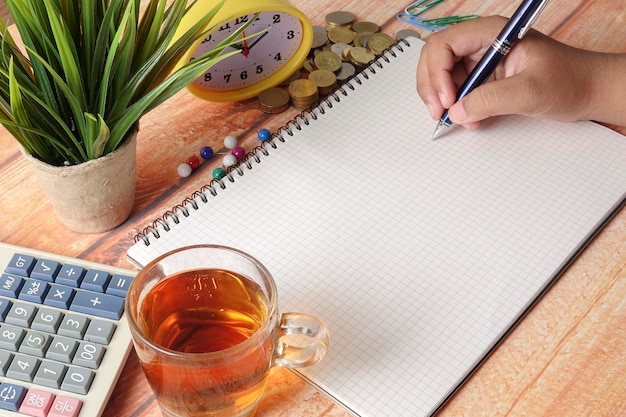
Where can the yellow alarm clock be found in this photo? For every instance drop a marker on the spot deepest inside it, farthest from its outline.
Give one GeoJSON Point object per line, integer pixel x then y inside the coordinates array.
{"type": "Point", "coordinates": [284, 40]}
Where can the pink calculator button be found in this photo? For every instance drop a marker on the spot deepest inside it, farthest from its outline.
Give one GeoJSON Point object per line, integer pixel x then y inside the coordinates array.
{"type": "Point", "coordinates": [65, 407]}
{"type": "Point", "coordinates": [36, 403]}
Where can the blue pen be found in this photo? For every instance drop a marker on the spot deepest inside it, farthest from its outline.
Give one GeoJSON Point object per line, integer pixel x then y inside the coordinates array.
{"type": "Point", "coordinates": [514, 30]}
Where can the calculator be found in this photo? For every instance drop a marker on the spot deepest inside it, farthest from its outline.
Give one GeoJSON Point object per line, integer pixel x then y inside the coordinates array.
{"type": "Point", "coordinates": [64, 338]}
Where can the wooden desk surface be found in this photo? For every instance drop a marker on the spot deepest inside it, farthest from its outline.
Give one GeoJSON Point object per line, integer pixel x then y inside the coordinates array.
{"type": "Point", "coordinates": [567, 358]}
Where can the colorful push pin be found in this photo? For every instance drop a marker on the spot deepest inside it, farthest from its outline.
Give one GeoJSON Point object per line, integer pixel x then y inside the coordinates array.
{"type": "Point", "coordinates": [193, 162]}
{"type": "Point", "coordinates": [229, 160]}
{"type": "Point", "coordinates": [184, 170]}
{"type": "Point", "coordinates": [239, 152]}
{"type": "Point", "coordinates": [230, 141]}
{"type": "Point", "coordinates": [264, 135]}
{"type": "Point", "coordinates": [206, 153]}
{"type": "Point", "coordinates": [218, 173]}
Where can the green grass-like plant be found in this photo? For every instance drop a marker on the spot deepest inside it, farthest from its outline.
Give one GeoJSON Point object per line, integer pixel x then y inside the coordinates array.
{"type": "Point", "coordinates": [90, 69]}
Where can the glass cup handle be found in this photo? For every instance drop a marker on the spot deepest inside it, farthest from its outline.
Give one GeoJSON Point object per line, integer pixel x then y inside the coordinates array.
{"type": "Point", "coordinates": [302, 341]}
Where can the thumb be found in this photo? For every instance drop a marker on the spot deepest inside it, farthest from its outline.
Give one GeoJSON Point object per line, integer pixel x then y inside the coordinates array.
{"type": "Point", "coordinates": [513, 95]}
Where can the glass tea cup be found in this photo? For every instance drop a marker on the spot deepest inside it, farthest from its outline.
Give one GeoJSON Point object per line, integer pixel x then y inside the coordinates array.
{"type": "Point", "coordinates": [207, 330]}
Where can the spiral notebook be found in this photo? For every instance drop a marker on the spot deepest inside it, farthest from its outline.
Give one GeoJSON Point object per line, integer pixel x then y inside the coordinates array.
{"type": "Point", "coordinates": [419, 255]}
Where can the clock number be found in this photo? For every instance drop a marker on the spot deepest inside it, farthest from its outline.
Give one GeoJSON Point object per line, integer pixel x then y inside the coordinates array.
{"type": "Point", "coordinates": [259, 69]}
{"type": "Point", "coordinates": [277, 57]}
{"type": "Point", "coordinates": [227, 78]}
{"type": "Point", "coordinates": [241, 20]}
{"type": "Point", "coordinates": [276, 19]}
{"type": "Point", "coordinates": [225, 27]}
{"type": "Point", "coordinates": [243, 75]}
{"type": "Point", "coordinates": [208, 77]}
{"type": "Point", "coordinates": [291, 34]}
{"type": "Point", "coordinates": [207, 39]}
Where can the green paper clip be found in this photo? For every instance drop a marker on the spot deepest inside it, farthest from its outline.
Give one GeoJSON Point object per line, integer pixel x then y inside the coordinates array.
{"type": "Point", "coordinates": [421, 6]}
{"type": "Point", "coordinates": [449, 20]}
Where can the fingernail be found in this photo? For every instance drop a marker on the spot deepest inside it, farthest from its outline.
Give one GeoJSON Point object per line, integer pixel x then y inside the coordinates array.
{"type": "Point", "coordinates": [431, 110]}
{"type": "Point", "coordinates": [443, 100]}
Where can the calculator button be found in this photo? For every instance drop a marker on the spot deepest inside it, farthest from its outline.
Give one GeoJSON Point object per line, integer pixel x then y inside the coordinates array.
{"type": "Point", "coordinates": [50, 374]}
{"type": "Point", "coordinates": [62, 349]}
{"type": "Point", "coordinates": [59, 296]}
{"type": "Point", "coordinates": [102, 305]}
{"type": "Point", "coordinates": [65, 407]}
{"type": "Point", "coordinates": [77, 380]}
{"type": "Point", "coordinates": [89, 355]}
{"type": "Point", "coordinates": [119, 285]}
{"type": "Point", "coordinates": [34, 290]}
{"type": "Point", "coordinates": [73, 325]}
{"type": "Point", "coordinates": [23, 367]}
{"type": "Point", "coordinates": [11, 396]}
{"type": "Point", "coordinates": [11, 337]}
{"type": "Point", "coordinates": [100, 331]}
{"type": "Point", "coordinates": [10, 285]}
{"type": "Point", "coordinates": [5, 361]}
{"type": "Point", "coordinates": [35, 343]}
{"type": "Point", "coordinates": [45, 270]}
{"type": "Point", "coordinates": [95, 280]}
{"type": "Point", "coordinates": [47, 320]}
{"type": "Point", "coordinates": [21, 264]}
{"type": "Point", "coordinates": [37, 403]}
{"type": "Point", "coordinates": [21, 314]}
{"type": "Point", "coordinates": [5, 305]}
{"type": "Point", "coordinates": [71, 275]}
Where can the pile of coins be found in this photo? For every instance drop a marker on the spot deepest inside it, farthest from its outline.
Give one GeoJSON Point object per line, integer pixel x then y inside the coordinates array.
{"type": "Point", "coordinates": [339, 50]}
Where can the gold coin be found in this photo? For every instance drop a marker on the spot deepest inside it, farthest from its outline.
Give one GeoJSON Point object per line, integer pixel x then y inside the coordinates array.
{"type": "Point", "coordinates": [323, 78]}
{"type": "Point", "coordinates": [379, 42]}
{"type": "Point", "coordinates": [360, 56]}
{"type": "Point", "coordinates": [340, 18]}
{"type": "Point", "coordinates": [309, 65]}
{"type": "Point", "coordinates": [359, 27]}
{"type": "Point", "coordinates": [327, 60]}
{"type": "Point", "coordinates": [274, 100]}
{"type": "Point", "coordinates": [341, 35]}
{"type": "Point", "coordinates": [304, 94]}
{"type": "Point", "coordinates": [326, 81]}
{"type": "Point", "coordinates": [302, 88]}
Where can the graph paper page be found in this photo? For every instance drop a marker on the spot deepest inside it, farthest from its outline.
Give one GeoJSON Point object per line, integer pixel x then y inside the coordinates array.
{"type": "Point", "coordinates": [417, 254]}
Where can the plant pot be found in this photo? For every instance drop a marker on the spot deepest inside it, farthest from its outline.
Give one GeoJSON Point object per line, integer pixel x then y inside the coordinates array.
{"type": "Point", "coordinates": [94, 196]}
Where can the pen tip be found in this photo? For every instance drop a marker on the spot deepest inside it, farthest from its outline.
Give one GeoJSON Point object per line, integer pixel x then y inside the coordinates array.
{"type": "Point", "coordinates": [438, 131]}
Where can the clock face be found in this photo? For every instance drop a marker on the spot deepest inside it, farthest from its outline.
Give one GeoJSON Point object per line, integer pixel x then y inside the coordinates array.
{"type": "Point", "coordinates": [279, 37]}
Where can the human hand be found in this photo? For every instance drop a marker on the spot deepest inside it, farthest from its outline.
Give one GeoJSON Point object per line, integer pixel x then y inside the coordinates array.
{"type": "Point", "coordinates": [540, 77]}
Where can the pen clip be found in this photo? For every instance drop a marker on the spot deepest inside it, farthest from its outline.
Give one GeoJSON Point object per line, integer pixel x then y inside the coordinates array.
{"type": "Point", "coordinates": [531, 20]}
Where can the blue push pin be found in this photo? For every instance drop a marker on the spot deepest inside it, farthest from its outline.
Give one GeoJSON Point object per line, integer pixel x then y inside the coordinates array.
{"type": "Point", "coordinates": [264, 135]}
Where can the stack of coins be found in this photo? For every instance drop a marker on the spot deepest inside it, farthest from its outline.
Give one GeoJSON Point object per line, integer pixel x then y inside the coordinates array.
{"type": "Point", "coordinates": [274, 100]}
{"type": "Point", "coordinates": [304, 94]}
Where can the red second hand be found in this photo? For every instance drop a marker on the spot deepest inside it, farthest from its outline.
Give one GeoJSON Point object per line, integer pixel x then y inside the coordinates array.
{"type": "Point", "coordinates": [245, 50]}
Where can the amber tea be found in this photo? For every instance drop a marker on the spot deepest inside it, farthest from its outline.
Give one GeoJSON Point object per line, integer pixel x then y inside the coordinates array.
{"type": "Point", "coordinates": [206, 329]}
{"type": "Point", "coordinates": [200, 311]}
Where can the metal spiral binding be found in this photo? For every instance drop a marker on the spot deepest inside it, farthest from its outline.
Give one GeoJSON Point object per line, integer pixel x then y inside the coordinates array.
{"type": "Point", "coordinates": [173, 216]}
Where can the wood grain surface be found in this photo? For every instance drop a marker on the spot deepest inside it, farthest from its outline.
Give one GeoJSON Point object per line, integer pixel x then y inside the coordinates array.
{"type": "Point", "coordinates": [568, 356]}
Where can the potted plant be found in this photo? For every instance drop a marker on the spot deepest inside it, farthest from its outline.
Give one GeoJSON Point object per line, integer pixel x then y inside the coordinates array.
{"type": "Point", "coordinates": [73, 90]}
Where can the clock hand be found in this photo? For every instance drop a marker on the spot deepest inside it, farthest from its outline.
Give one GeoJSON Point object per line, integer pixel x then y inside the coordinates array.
{"type": "Point", "coordinates": [257, 40]}
{"type": "Point", "coordinates": [245, 51]}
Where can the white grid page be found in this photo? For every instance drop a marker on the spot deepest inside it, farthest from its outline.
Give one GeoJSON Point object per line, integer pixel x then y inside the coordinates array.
{"type": "Point", "coordinates": [418, 255]}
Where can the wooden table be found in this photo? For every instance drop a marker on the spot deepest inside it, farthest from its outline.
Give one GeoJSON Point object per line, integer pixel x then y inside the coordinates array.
{"type": "Point", "coordinates": [567, 358]}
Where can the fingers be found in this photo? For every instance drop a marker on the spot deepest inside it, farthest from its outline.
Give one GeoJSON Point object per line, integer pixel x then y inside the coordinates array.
{"type": "Point", "coordinates": [446, 57]}
{"type": "Point", "coordinates": [517, 94]}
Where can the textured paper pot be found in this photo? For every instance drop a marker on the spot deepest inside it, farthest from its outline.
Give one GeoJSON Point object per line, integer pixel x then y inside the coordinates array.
{"type": "Point", "coordinates": [94, 196]}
